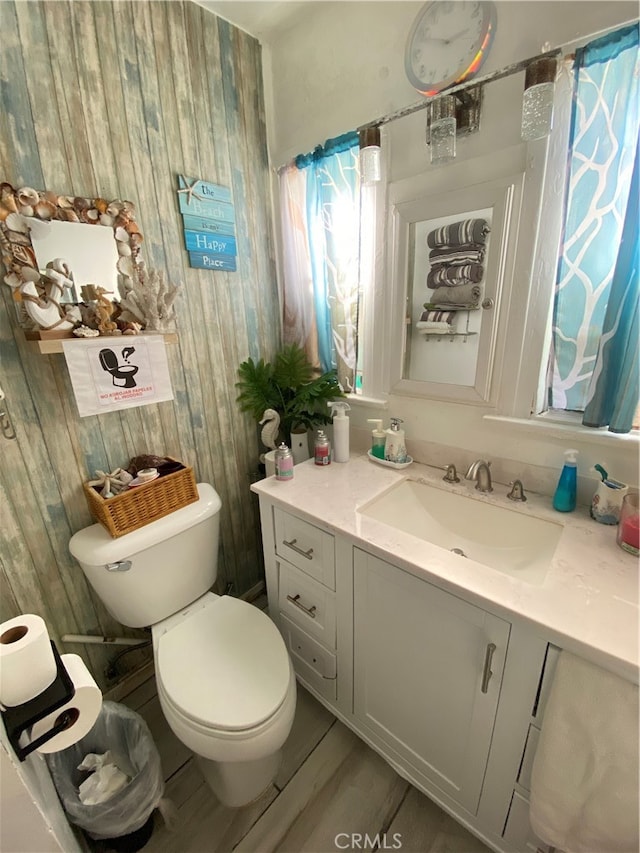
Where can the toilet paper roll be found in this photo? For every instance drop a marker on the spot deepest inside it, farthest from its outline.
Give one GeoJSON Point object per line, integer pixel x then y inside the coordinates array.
{"type": "Point", "coordinates": [27, 664]}
{"type": "Point", "coordinates": [83, 708]}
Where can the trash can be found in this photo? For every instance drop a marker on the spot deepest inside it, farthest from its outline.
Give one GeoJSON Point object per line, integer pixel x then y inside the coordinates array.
{"type": "Point", "coordinates": [125, 820]}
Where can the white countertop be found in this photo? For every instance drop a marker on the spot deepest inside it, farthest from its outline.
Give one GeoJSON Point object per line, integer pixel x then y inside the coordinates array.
{"type": "Point", "coordinates": [587, 603]}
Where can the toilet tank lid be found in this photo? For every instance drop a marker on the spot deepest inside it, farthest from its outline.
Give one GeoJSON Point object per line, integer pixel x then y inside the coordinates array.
{"type": "Point", "coordinates": [94, 546]}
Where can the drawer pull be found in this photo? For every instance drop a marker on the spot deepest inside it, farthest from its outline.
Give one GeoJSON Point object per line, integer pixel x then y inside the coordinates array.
{"type": "Point", "coordinates": [308, 554]}
{"type": "Point", "coordinates": [295, 599]}
{"type": "Point", "coordinates": [486, 674]}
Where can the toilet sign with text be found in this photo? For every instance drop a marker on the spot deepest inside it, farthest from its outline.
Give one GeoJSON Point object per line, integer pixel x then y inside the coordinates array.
{"type": "Point", "coordinates": [208, 218]}
{"type": "Point", "coordinates": [112, 373]}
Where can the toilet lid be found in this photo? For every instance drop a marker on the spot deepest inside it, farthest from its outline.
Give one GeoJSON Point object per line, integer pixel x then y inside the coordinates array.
{"type": "Point", "coordinates": [225, 666]}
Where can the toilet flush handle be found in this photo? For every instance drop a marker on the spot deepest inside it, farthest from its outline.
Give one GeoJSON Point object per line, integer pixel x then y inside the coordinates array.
{"type": "Point", "coordinates": [119, 566]}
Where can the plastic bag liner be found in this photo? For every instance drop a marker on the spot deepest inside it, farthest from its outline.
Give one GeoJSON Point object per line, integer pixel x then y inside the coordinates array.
{"type": "Point", "coordinates": [127, 736]}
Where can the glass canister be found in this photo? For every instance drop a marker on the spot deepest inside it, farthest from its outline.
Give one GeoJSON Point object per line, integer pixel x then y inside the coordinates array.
{"type": "Point", "coordinates": [284, 463]}
{"type": "Point", "coordinates": [628, 536]}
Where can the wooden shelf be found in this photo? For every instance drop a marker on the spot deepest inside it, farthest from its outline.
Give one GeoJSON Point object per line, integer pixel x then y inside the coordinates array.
{"type": "Point", "coordinates": [51, 346]}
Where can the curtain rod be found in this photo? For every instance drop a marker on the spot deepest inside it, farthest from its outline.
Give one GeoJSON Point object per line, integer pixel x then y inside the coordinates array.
{"type": "Point", "coordinates": [507, 71]}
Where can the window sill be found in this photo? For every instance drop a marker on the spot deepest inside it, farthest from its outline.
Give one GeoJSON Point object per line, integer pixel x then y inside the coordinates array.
{"type": "Point", "coordinates": [367, 402]}
{"type": "Point", "coordinates": [557, 427]}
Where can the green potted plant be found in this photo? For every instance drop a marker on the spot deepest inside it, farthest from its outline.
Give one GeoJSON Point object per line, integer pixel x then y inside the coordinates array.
{"type": "Point", "coordinates": [288, 387]}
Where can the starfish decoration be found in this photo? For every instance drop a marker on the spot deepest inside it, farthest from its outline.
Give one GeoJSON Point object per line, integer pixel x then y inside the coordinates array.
{"type": "Point", "coordinates": [189, 189]}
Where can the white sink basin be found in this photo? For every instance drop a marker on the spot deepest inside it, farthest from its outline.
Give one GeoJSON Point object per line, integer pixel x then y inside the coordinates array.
{"type": "Point", "coordinates": [514, 543]}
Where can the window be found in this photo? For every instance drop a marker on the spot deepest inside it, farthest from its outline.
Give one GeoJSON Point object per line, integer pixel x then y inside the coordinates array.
{"type": "Point", "coordinates": [593, 361]}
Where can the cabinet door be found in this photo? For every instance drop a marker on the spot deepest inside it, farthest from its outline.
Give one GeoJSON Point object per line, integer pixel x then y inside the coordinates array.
{"type": "Point", "coordinates": [427, 673]}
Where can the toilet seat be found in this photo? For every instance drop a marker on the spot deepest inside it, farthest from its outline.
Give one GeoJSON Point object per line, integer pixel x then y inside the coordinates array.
{"type": "Point", "coordinates": [224, 666]}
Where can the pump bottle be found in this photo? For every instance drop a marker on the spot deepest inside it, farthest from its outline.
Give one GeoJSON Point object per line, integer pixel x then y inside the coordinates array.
{"type": "Point", "coordinates": [340, 430]}
{"type": "Point", "coordinates": [378, 437]}
{"type": "Point", "coordinates": [564, 499]}
{"type": "Point", "coordinates": [394, 446]}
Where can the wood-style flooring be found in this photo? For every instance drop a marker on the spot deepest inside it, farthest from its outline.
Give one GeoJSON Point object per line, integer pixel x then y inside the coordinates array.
{"type": "Point", "coordinates": [332, 793]}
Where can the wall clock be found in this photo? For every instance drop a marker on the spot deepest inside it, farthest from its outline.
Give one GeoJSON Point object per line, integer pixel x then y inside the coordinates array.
{"type": "Point", "coordinates": [448, 43]}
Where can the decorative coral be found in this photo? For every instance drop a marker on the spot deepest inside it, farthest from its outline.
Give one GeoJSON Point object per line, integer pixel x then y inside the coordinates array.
{"type": "Point", "coordinates": [146, 298]}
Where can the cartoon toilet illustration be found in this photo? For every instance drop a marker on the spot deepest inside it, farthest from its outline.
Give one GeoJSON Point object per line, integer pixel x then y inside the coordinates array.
{"type": "Point", "coordinates": [121, 374]}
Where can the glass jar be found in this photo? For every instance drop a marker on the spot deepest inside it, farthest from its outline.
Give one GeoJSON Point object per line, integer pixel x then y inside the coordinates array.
{"type": "Point", "coordinates": [628, 536]}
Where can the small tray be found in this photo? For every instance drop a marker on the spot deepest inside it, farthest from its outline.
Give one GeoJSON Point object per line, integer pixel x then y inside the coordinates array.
{"type": "Point", "coordinates": [390, 464]}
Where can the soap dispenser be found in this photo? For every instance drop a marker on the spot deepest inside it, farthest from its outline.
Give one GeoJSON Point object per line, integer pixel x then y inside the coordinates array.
{"type": "Point", "coordinates": [564, 499]}
{"type": "Point", "coordinates": [378, 438]}
{"type": "Point", "coordinates": [394, 446]}
{"type": "Point", "coordinates": [340, 430]}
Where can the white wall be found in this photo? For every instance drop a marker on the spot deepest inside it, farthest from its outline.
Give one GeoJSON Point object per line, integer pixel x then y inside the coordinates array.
{"type": "Point", "coordinates": [336, 65]}
{"type": "Point", "coordinates": [31, 817]}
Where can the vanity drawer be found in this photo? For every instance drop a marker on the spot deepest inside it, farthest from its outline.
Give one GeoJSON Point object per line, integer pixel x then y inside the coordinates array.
{"type": "Point", "coordinates": [306, 546]}
{"type": "Point", "coordinates": [308, 604]}
{"type": "Point", "coordinates": [311, 661]}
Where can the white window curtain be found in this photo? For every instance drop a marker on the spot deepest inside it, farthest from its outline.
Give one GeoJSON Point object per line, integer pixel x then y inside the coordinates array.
{"type": "Point", "coordinates": [320, 210]}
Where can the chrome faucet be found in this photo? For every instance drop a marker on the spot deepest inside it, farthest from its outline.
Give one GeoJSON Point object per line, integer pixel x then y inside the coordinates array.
{"type": "Point", "coordinates": [479, 471]}
{"type": "Point", "coordinates": [452, 475]}
{"type": "Point", "coordinates": [517, 491]}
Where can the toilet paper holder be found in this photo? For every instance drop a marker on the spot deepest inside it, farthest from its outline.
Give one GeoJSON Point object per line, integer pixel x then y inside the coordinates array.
{"type": "Point", "coordinates": [19, 718]}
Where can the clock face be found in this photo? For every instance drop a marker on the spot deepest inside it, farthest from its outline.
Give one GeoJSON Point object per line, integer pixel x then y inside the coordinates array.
{"type": "Point", "coordinates": [448, 43]}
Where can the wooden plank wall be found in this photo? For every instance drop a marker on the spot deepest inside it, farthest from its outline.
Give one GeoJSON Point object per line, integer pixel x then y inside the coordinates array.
{"type": "Point", "coordinates": [115, 100]}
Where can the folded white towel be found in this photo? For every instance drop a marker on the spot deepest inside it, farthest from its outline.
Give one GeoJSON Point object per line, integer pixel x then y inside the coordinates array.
{"type": "Point", "coordinates": [584, 783]}
{"type": "Point", "coordinates": [433, 327]}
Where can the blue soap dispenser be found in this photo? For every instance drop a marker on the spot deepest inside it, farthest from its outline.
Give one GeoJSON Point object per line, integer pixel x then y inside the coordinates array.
{"type": "Point", "coordinates": [564, 499]}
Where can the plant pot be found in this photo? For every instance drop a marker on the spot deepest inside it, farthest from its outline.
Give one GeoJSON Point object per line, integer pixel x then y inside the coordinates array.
{"type": "Point", "coordinates": [300, 445]}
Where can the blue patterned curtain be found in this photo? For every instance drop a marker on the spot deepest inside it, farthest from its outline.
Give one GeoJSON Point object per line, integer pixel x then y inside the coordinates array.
{"type": "Point", "coordinates": [613, 393]}
{"type": "Point", "coordinates": [604, 135]}
{"type": "Point", "coordinates": [326, 255]}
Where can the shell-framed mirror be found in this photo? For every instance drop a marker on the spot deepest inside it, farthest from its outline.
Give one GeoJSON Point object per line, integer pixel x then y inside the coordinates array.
{"type": "Point", "coordinates": [65, 242]}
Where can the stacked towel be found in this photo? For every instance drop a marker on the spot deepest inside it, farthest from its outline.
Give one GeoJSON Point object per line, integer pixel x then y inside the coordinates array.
{"type": "Point", "coordinates": [431, 316]}
{"type": "Point", "coordinates": [434, 328]}
{"type": "Point", "coordinates": [465, 294]}
{"type": "Point", "coordinates": [442, 275]}
{"type": "Point", "coordinates": [465, 231]}
{"type": "Point", "coordinates": [456, 260]}
{"type": "Point", "coordinates": [456, 255]}
{"type": "Point", "coordinates": [584, 783]}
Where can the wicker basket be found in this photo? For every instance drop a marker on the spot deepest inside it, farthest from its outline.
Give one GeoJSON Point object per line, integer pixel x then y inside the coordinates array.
{"type": "Point", "coordinates": [146, 503]}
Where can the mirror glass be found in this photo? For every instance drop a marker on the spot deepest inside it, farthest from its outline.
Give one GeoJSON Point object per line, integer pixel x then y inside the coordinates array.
{"type": "Point", "coordinates": [90, 253]}
{"type": "Point", "coordinates": [453, 234]}
{"type": "Point", "coordinates": [443, 338]}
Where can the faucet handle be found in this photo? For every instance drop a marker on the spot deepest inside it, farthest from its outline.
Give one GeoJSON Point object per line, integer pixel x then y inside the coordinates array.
{"type": "Point", "coordinates": [452, 475]}
{"type": "Point", "coordinates": [517, 491]}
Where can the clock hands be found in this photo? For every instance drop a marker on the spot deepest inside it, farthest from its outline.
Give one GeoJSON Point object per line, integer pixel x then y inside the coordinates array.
{"type": "Point", "coordinates": [454, 37]}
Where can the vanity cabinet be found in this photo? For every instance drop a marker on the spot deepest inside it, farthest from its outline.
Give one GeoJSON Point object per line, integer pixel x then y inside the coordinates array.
{"type": "Point", "coordinates": [448, 692]}
{"type": "Point", "coordinates": [427, 674]}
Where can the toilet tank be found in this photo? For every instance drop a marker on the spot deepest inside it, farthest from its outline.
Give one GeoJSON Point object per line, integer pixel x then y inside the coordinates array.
{"type": "Point", "coordinates": [148, 574]}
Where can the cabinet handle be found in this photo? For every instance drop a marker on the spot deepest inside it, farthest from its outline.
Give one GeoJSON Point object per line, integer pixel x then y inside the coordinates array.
{"type": "Point", "coordinates": [310, 611]}
{"type": "Point", "coordinates": [486, 674]}
{"type": "Point", "coordinates": [308, 554]}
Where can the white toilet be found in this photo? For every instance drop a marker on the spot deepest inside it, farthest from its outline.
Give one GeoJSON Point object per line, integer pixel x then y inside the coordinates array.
{"type": "Point", "coordinates": [225, 681]}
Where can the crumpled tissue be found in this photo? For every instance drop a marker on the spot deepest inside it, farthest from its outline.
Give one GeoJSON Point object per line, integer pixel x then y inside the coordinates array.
{"type": "Point", "coordinates": [106, 779]}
